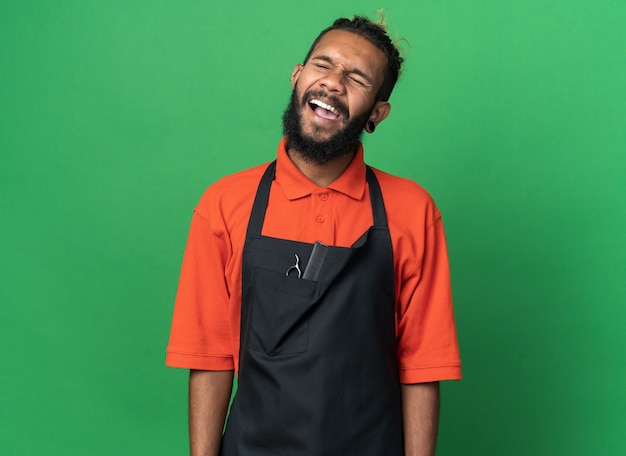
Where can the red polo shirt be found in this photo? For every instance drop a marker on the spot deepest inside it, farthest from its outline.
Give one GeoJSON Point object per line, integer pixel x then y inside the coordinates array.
{"type": "Point", "coordinates": [205, 325]}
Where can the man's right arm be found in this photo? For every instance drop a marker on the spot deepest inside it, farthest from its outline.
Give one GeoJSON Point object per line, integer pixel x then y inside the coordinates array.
{"type": "Point", "coordinates": [209, 396]}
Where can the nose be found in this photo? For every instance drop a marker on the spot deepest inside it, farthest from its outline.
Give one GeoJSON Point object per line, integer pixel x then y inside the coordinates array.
{"type": "Point", "coordinates": [333, 81]}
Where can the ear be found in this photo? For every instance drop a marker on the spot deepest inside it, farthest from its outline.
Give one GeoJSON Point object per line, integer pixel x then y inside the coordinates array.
{"type": "Point", "coordinates": [295, 74]}
{"type": "Point", "coordinates": [380, 112]}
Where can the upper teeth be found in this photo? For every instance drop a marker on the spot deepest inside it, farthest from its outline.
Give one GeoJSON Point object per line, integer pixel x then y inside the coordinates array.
{"type": "Point", "coordinates": [327, 107]}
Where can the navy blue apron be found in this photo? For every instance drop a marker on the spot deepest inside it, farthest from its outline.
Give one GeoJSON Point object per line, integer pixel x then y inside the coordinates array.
{"type": "Point", "coordinates": [318, 371]}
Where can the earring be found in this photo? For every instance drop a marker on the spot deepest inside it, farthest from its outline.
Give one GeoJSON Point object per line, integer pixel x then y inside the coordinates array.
{"type": "Point", "coordinates": [370, 127]}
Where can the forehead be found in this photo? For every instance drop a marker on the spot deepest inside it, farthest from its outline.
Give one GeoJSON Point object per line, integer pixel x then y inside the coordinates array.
{"type": "Point", "coordinates": [351, 49]}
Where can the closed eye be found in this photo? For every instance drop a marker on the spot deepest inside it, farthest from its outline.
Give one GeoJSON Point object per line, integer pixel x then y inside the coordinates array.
{"type": "Point", "coordinates": [322, 62]}
{"type": "Point", "coordinates": [357, 81]}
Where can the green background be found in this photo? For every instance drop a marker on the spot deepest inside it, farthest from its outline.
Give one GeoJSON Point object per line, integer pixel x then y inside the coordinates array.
{"type": "Point", "coordinates": [115, 115]}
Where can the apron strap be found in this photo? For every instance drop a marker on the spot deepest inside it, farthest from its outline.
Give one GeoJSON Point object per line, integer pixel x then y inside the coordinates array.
{"type": "Point", "coordinates": [376, 196]}
{"type": "Point", "coordinates": [257, 216]}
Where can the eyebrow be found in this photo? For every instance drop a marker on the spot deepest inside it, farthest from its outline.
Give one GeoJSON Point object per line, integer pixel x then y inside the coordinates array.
{"type": "Point", "coordinates": [326, 58]}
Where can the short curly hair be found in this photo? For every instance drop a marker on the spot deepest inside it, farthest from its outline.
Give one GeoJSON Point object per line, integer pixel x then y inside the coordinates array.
{"type": "Point", "coordinates": [377, 35]}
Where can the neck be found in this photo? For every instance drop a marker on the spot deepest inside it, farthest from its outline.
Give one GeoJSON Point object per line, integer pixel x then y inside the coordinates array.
{"type": "Point", "coordinates": [323, 174]}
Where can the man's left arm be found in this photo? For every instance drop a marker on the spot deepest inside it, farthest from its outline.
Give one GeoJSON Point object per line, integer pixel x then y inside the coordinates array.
{"type": "Point", "coordinates": [428, 350]}
{"type": "Point", "coordinates": [420, 414]}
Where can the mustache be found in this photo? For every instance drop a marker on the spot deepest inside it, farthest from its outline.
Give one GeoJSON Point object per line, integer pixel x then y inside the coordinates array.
{"type": "Point", "coordinates": [327, 98]}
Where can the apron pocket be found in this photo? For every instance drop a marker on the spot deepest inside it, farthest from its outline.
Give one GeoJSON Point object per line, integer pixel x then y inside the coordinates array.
{"type": "Point", "coordinates": [280, 310]}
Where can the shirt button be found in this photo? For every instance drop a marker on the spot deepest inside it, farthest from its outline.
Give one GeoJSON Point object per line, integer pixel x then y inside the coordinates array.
{"type": "Point", "coordinates": [320, 219]}
{"type": "Point", "coordinates": [324, 196]}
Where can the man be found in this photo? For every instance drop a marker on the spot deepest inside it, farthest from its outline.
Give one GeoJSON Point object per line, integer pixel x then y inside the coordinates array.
{"type": "Point", "coordinates": [321, 283]}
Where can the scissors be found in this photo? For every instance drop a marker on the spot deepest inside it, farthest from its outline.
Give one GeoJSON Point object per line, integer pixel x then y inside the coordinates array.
{"type": "Point", "coordinates": [295, 267]}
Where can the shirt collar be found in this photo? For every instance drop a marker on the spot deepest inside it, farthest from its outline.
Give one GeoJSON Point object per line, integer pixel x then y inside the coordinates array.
{"type": "Point", "coordinates": [297, 185]}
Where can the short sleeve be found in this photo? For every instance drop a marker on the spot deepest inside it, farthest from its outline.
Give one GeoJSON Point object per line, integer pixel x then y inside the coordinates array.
{"type": "Point", "coordinates": [200, 333]}
{"type": "Point", "coordinates": [427, 338]}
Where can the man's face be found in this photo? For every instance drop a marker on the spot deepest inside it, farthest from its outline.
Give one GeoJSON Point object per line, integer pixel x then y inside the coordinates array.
{"type": "Point", "coordinates": [334, 95]}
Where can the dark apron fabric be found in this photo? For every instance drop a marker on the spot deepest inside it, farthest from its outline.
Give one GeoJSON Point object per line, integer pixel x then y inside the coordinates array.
{"type": "Point", "coordinates": [318, 371]}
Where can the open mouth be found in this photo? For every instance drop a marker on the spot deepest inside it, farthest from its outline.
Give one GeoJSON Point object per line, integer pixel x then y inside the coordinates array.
{"type": "Point", "coordinates": [324, 110]}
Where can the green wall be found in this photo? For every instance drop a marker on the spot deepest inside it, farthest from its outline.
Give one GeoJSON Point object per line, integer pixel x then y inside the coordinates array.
{"type": "Point", "coordinates": [115, 115]}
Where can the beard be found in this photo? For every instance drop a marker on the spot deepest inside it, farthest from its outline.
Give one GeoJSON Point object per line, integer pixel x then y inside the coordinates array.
{"type": "Point", "coordinates": [343, 142]}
